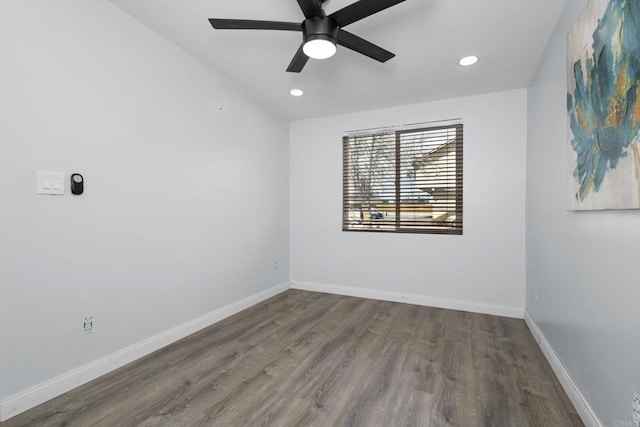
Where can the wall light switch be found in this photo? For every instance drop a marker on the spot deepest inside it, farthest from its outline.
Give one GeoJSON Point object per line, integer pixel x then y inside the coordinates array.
{"type": "Point", "coordinates": [50, 182]}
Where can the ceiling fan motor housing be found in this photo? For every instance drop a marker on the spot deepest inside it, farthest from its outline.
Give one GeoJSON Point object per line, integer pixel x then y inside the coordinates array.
{"type": "Point", "coordinates": [320, 28]}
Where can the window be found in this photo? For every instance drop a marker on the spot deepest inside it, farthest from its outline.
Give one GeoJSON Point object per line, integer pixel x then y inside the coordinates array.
{"type": "Point", "coordinates": [405, 181]}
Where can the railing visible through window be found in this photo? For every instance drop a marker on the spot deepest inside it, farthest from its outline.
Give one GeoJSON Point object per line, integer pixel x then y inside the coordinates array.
{"type": "Point", "coordinates": [406, 181]}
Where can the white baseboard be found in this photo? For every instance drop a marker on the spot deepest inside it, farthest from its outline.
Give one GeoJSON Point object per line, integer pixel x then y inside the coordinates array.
{"type": "Point", "coordinates": [475, 307]}
{"type": "Point", "coordinates": [583, 408]}
{"type": "Point", "coordinates": [40, 393]}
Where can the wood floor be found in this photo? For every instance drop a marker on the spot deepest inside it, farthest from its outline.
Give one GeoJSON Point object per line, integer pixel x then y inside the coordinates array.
{"type": "Point", "coordinates": [311, 359]}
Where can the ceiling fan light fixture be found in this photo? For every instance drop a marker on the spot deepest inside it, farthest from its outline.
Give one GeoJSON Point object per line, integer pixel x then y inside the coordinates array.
{"type": "Point", "coordinates": [319, 46]}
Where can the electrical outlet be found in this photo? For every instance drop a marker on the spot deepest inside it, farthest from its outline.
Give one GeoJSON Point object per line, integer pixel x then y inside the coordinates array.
{"type": "Point", "coordinates": [535, 295]}
{"type": "Point", "coordinates": [636, 410]}
{"type": "Point", "coordinates": [88, 324]}
{"type": "Point", "coordinates": [276, 266]}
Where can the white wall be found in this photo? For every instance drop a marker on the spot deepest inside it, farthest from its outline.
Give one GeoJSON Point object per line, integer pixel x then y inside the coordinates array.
{"type": "Point", "coordinates": [186, 198]}
{"type": "Point", "coordinates": [482, 270]}
{"type": "Point", "coordinates": [584, 266]}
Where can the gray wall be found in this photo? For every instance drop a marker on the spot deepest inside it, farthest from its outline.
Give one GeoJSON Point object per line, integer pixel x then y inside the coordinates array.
{"type": "Point", "coordinates": [186, 201]}
{"type": "Point", "coordinates": [482, 270]}
{"type": "Point", "coordinates": [584, 266]}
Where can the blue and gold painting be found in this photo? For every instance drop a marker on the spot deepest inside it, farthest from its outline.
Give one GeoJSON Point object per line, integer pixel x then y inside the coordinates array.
{"type": "Point", "coordinates": [603, 103]}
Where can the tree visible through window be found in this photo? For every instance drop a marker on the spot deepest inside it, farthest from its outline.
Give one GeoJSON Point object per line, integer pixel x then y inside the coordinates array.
{"type": "Point", "coordinates": [407, 181]}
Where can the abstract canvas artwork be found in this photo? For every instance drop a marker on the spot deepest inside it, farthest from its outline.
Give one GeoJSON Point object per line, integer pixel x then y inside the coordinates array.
{"type": "Point", "coordinates": [603, 103]}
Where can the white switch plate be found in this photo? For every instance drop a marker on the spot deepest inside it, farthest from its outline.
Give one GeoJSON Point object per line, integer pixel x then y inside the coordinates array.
{"type": "Point", "coordinates": [50, 182]}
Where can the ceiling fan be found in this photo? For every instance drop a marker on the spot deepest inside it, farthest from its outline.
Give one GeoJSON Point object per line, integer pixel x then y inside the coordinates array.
{"type": "Point", "coordinates": [321, 32]}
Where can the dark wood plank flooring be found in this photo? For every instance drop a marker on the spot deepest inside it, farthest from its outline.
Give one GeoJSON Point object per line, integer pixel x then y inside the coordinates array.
{"type": "Point", "coordinates": [312, 359]}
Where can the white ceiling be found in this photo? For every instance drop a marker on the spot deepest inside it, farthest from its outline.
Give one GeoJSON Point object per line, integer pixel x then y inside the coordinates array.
{"type": "Point", "coordinates": [428, 37]}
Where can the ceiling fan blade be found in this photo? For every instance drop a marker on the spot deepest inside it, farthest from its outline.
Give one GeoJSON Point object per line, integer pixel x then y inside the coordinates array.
{"type": "Point", "coordinates": [360, 9]}
{"type": "Point", "coordinates": [298, 62]}
{"type": "Point", "coordinates": [357, 44]}
{"type": "Point", "coordinates": [247, 24]}
{"type": "Point", "coordinates": [311, 8]}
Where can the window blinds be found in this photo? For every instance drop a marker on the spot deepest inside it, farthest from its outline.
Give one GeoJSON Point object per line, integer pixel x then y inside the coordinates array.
{"type": "Point", "coordinates": [407, 180]}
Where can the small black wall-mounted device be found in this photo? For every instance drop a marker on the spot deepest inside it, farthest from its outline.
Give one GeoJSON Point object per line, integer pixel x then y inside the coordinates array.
{"type": "Point", "coordinates": [77, 183]}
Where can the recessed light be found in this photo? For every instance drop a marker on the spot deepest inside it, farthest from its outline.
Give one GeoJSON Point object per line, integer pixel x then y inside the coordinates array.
{"type": "Point", "coordinates": [296, 92]}
{"type": "Point", "coordinates": [468, 60]}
